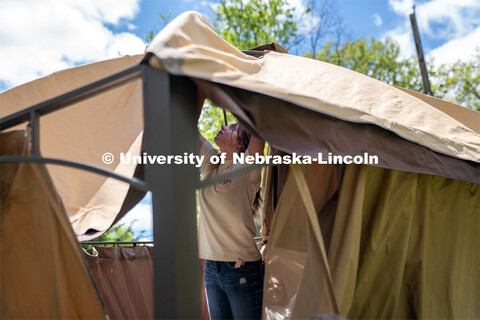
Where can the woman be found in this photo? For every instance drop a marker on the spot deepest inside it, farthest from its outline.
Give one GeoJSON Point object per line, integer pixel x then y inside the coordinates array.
{"type": "Point", "coordinates": [233, 268]}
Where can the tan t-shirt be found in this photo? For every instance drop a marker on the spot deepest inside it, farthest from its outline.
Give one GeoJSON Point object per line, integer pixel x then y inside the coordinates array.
{"type": "Point", "coordinates": [226, 229]}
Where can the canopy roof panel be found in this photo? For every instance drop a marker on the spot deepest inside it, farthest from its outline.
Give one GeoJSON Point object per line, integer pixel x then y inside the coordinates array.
{"type": "Point", "coordinates": [83, 132]}
{"type": "Point", "coordinates": [112, 122]}
{"type": "Point", "coordinates": [189, 46]}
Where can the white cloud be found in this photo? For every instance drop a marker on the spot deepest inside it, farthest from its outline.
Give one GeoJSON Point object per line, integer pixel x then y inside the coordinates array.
{"type": "Point", "coordinates": [40, 37]}
{"type": "Point", "coordinates": [108, 11]}
{"type": "Point", "coordinates": [140, 218]}
{"type": "Point", "coordinates": [455, 22]}
{"type": "Point", "coordinates": [404, 39]}
{"type": "Point", "coordinates": [448, 19]}
{"type": "Point", "coordinates": [377, 21]}
{"type": "Point", "coordinates": [209, 4]}
{"type": "Point", "coordinates": [131, 27]}
{"type": "Point", "coordinates": [458, 49]}
{"type": "Point", "coordinates": [401, 7]}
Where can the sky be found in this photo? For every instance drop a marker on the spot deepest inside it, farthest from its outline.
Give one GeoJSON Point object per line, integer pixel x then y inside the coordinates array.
{"type": "Point", "coordinates": [38, 37]}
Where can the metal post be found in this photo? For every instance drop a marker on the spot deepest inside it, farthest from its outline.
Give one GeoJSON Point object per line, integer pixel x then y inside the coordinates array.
{"type": "Point", "coordinates": [170, 129]}
{"type": "Point", "coordinates": [421, 60]}
{"type": "Point", "coordinates": [34, 133]}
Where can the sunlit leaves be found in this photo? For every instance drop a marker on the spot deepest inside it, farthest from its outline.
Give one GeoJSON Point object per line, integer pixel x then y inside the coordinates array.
{"type": "Point", "coordinates": [212, 119]}
{"type": "Point", "coordinates": [118, 232]}
{"type": "Point", "coordinates": [249, 24]}
{"type": "Point", "coordinates": [459, 82]}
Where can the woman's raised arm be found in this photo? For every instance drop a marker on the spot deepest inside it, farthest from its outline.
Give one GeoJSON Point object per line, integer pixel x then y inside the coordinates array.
{"type": "Point", "coordinates": [255, 146]}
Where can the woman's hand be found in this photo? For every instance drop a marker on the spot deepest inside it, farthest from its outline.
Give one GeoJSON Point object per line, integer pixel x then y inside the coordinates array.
{"type": "Point", "coordinates": [263, 250]}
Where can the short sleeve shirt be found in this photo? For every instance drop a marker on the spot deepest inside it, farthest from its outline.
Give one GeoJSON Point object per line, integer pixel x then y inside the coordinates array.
{"type": "Point", "coordinates": [226, 230]}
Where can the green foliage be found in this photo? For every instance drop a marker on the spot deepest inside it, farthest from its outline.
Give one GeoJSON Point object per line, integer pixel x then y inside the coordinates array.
{"type": "Point", "coordinates": [377, 59]}
{"type": "Point", "coordinates": [459, 82]}
{"type": "Point", "coordinates": [116, 233]}
{"type": "Point", "coordinates": [211, 120]}
{"type": "Point", "coordinates": [254, 23]}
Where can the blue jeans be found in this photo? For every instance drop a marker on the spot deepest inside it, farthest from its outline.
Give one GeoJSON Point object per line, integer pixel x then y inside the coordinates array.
{"type": "Point", "coordinates": [234, 293]}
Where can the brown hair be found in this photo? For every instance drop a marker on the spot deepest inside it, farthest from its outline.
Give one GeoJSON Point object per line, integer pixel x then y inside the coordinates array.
{"type": "Point", "coordinates": [243, 137]}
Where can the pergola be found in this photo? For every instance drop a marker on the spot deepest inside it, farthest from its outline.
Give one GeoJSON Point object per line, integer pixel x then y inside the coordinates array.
{"type": "Point", "coordinates": [169, 104]}
{"type": "Point", "coordinates": [398, 239]}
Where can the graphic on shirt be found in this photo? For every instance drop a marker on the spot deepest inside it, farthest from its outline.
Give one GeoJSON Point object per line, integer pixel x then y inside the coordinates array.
{"type": "Point", "coordinates": [225, 182]}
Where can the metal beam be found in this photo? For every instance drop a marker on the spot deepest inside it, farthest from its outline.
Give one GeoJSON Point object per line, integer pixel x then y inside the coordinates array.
{"type": "Point", "coordinates": [116, 243]}
{"type": "Point", "coordinates": [254, 53]}
{"type": "Point", "coordinates": [170, 128]}
{"type": "Point", "coordinates": [34, 133]}
{"type": "Point", "coordinates": [421, 59]}
{"type": "Point", "coordinates": [136, 183]}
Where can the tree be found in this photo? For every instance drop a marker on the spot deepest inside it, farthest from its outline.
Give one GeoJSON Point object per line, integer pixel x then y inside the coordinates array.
{"type": "Point", "coordinates": [116, 233]}
{"type": "Point", "coordinates": [320, 22]}
{"type": "Point", "coordinates": [459, 82]}
{"type": "Point", "coordinates": [377, 59]}
{"type": "Point", "coordinates": [256, 22]}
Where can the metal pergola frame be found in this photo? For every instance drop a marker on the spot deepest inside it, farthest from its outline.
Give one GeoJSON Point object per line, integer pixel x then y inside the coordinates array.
{"type": "Point", "coordinates": [169, 128]}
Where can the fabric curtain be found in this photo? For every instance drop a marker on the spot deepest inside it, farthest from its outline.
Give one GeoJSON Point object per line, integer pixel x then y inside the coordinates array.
{"type": "Point", "coordinates": [406, 245]}
{"type": "Point", "coordinates": [297, 277]}
{"type": "Point", "coordinates": [124, 277]}
{"type": "Point", "coordinates": [399, 245]}
{"type": "Point", "coordinates": [42, 271]}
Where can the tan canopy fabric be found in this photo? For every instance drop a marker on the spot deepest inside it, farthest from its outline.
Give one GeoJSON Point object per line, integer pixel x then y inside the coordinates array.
{"type": "Point", "coordinates": [292, 129]}
{"type": "Point", "coordinates": [42, 271]}
{"type": "Point", "coordinates": [466, 116]}
{"type": "Point", "coordinates": [110, 122]}
{"type": "Point", "coordinates": [189, 46]}
{"type": "Point", "coordinates": [298, 283]}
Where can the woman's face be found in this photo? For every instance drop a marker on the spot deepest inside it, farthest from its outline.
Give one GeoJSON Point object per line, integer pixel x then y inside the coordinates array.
{"type": "Point", "coordinates": [227, 138]}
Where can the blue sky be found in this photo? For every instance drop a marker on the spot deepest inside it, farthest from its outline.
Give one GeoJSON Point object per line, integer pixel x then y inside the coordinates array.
{"type": "Point", "coordinates": [41, 37]}
{"type": "Point", "coordinates": [358, 13]}
{"type": "Point", "coordinates": [440, 21]}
